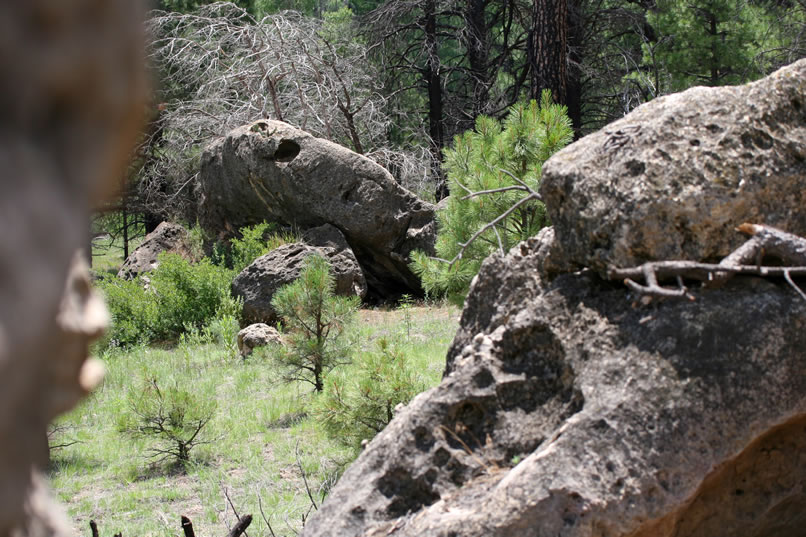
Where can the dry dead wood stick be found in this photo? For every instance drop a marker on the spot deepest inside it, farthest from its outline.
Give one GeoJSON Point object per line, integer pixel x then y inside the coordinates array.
{"type": "Point", "coordinates": [700, 271]}
{"type": "Point", "coordinates": [653, 288]}
{"type": "Point", "coordinates": [237, 516]}
{"type": "Point", "coordinates": [265, 519]}
{"type": "Point", "coordinates": [790, 248]}
{"type": "Point", "coordinates": [765, 240]}
{"type": "Point", "coordinates": [187, 527]}
{"type": "Point", "coordinates": [650, 272]}
{"type": "Point", "coordinates": [240, 527]}
{"type": "Point", "coordinates": [304, 477]}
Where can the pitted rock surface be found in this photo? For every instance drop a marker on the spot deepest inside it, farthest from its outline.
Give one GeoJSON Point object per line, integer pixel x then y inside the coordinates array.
{"type": "Point", "coordinates": [673, 178]}
{"type": "Point", "coordinates": [257, 335]}
{"type": "Point", "coordinates": [258, 282]}
{"type": "Point", "coordinates": [168, 237]}
{"type": "Point", "coordinates": [568, 409]}
{"type": "Point", "coordinates": [269, 170]}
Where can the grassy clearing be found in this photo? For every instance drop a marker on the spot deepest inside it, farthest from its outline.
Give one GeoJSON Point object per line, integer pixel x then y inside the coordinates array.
{"type": "Point", "coordinates": [258, 439]}
{"type": "Point", "coordinates": [107, 255]}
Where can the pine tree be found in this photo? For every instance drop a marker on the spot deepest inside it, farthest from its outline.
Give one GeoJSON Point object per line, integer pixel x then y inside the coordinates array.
{"type": "Point", "coordinates": [711, 42]}
{"type": "Point", "coordinates": [316, 320]}
{"type": "Point", "coordinates": [486, 169]}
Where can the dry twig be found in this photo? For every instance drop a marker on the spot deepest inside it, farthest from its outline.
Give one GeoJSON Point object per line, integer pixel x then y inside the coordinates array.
{"type": "Point", "coordinates": [765, 241]}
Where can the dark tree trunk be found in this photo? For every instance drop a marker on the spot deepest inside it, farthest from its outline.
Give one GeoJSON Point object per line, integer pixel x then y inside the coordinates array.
{"type": "Point", "coordinates": [124, 217]}
{"type": "Point", "coordinates": [478, 52]}
{"type": "Point", "coordinates": [712, 31]}
{"type": "Point", "coordinates": [576, 35]}
{"type": "Point", "coordinates": [548, 49]}
{"type": "Point", "coordinates": [433, 81]}
{"type": "Point", "coordinates": [318, 374]}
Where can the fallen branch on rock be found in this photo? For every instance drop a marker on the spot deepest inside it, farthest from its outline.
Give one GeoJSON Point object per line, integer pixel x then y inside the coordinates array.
{"type": "Point", "coordinates": [765, 241]}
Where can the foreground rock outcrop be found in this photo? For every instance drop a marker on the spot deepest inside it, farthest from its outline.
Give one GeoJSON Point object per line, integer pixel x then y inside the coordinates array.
{"type": "Point", "coordinates": [572, 407]}
{"type": "Point", "coordinates": [671, 179]}
{"type": "Point", "coordinates": [168, 237]}
{"type": "Point", "coordinates": [271, 171]}
{"type": "Point", "coordinates": [258, 282]}
{"type": "Point", "coordinates": [568, 411]}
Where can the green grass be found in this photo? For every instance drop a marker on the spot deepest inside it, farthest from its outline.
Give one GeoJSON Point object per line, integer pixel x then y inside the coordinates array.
{"type": "Point", "coordinates": [107, 255]}
{"type": "Point", "coordinates": [257, 439]}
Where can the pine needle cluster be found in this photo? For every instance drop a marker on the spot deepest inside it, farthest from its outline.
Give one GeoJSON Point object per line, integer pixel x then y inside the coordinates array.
{"type": "Point", "coordinates": [487, 169]}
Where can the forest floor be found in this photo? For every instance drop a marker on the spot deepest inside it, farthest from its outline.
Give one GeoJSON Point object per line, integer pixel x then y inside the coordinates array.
{"type": "Point", "coordinates": [259, 442]}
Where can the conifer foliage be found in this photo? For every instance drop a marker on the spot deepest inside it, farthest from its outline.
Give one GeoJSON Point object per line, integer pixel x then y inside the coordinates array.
{"type": "Point", "coordinates": [487, 169]}
{"type": "Point", "coordinates": [316, 320]}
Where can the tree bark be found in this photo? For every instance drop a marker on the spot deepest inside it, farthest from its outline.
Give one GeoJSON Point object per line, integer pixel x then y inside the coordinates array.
{"type": "Point", "coordinates": [433, 80]}
{"type": "Point", "coordinates": [548, 49]}
{"type": "Point", "coordinates": [478, 51]}
{"type": "Point", "coordinates": [576, 37]}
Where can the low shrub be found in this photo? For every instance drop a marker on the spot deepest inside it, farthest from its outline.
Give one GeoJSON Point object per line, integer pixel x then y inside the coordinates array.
{"type": "Point", "coordinates": [256, 241]}
{"type": "Point", "coordinates": [172, 419]}
{"type": "Point", "coordinates": [134, 311]}
{"type": "Point", "coordinates": [178, 295]}
{"type": "Point", "coordinates": [359, 406]}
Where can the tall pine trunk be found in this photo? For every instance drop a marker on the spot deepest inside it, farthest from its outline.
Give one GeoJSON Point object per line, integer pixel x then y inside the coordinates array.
{"type": "Point", "coordinates": [433, 80]}
{"type": "Point", "coordinates": [548, 49]}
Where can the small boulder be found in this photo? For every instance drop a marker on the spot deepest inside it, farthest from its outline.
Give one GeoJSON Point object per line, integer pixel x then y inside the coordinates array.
{"type": "Point", "coordinates": [673, 178]}
{"type": "Point", "coordinates": [258, 282]}
{"type": "Point", "coordinates": [257, 335]}
{"type": "Point", "coordinates": [168, 237]}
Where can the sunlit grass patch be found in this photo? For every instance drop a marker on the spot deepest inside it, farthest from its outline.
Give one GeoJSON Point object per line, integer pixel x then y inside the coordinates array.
{"type": "Point", "coordinates": [262, 437]}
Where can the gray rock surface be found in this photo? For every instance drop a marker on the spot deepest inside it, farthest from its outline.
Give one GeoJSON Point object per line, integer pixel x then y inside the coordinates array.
{"type": "Point", "coordinates": [671, 179]}
{"type": "Point", "coordinates": [269, 170]}
{"type": "Point", "coordinates": [168, 237]}
{"type": "Point", "coordinates": [258, 282]}
{"type": "Point", "coordinates": [569, 411]}
{"type": "Point", "coordinates": [257, 335]}
{"type": "Point", "coordinates": [572, 408]}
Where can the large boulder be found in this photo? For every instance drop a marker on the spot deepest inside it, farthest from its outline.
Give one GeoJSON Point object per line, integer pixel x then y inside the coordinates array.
{"type": "Point", "coordinates": [258, 282]}
{"type": "Point", "coordinates": [168, 237]}
{"type": "Point", "coordinates": [568, 411]}
{"type": "Point", "coordinates": [570, 408]}
{"type": "Point", "coordinates": [269, 170]}
{"type": "Point", "coordinates": [671, 179]}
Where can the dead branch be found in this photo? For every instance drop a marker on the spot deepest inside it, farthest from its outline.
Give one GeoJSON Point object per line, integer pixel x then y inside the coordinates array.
{"type": "Point", "coordinates": [765, 241]}
{"type": "Point", "coordinates": [187, 527]}
{"type": "Point", "coordinates": [265, 519]}
{"type": "Point", "coordinates": [304, 478]}
{"type": "Point", "coordinates": [490, 225]}
{"type": "Point", "coordinates": [240, 527]}
{"type": "Point", "coordinates": [237, 516]}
